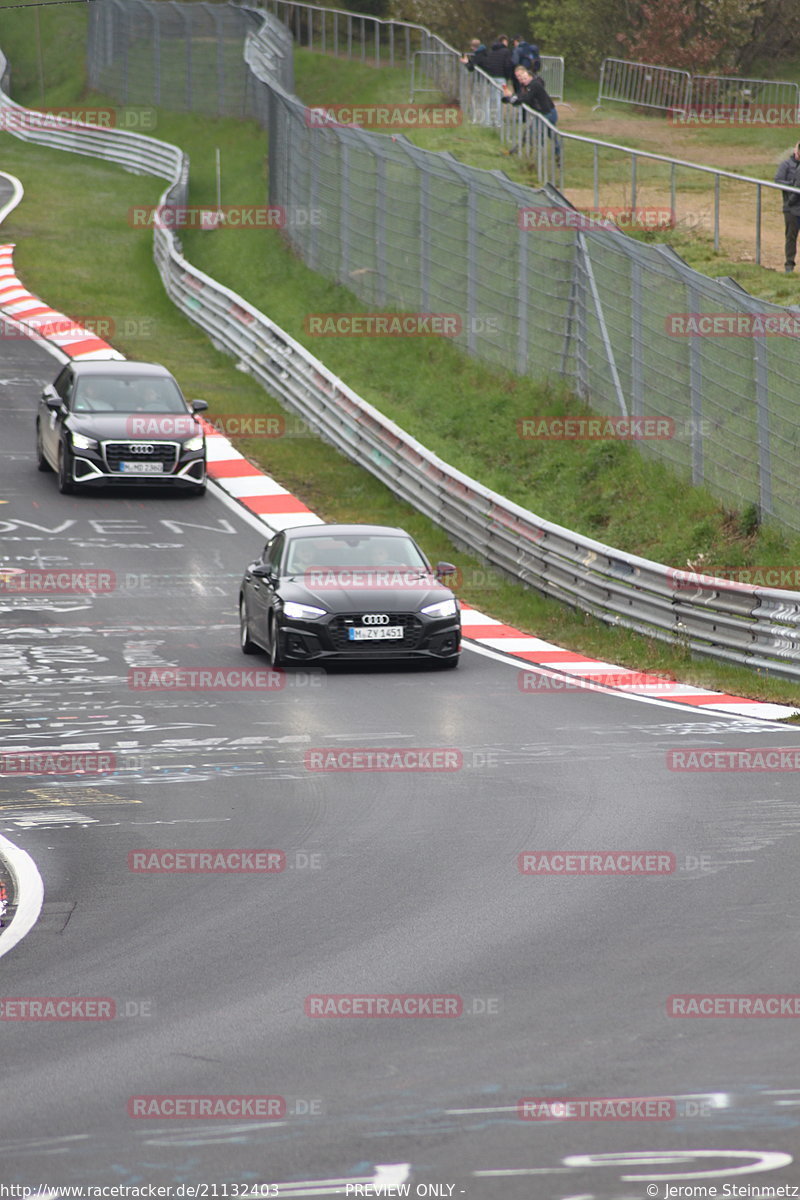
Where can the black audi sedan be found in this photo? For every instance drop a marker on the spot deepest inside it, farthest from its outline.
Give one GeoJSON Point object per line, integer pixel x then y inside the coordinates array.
{"type": "Point", "coordinates": [120, 423]}
{"type": "Point", "coordinates": [348, 592]}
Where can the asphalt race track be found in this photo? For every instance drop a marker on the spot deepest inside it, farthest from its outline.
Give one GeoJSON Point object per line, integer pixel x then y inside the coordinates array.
{"type": "Point", "coordinates": [395, 883]}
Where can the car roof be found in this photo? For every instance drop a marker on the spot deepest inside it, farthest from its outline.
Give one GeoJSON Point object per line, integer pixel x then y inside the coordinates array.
{"type": "Point", "coordinates": [117, 368]}
{"type": "Point", "coordinates": [301, 531]}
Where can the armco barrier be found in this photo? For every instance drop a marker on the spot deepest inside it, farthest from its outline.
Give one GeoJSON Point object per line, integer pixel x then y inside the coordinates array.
{"type": "Point", "coordinates": [757, 627]}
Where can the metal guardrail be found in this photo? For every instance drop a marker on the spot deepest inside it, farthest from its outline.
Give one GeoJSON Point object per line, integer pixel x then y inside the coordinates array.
{"type": "Point", "coordinates": [357, 35]}
{"type": "Point", "coordinates": [757, 627]}
{"type": "Point", "coordinates": [644, 84]}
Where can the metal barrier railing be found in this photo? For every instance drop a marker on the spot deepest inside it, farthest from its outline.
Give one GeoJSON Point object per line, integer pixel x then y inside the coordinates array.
{"type": "Point", "coordinates": [757, 627]}
{"type": "Point", "coordinates": [732, 94]}
{"type": "Point", "coordinates": [667, 88]}
{"type": "Point", "coordinates": [644, 84]}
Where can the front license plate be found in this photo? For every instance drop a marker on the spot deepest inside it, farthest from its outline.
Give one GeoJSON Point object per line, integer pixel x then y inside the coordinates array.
{"type": "Point", "coordinates": [375, 635]}
{"type": "Point", "coordinates": [142, 468]}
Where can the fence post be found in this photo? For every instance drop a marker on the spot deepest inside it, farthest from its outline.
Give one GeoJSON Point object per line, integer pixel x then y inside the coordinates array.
{"type": "Point", "coordinates": [696, 395]}
{"type": "Point", "coordinates": [344, 228]}
{"type": "Point", "coordinates": [380, 228]}
{"type": "Point", "coordinates": [424, 238]}
{"type": "Point", "coordinates": [601, 320]}
{"type": "Point", "coordinates": [762, 420]}
{"type": "Point", "coordinates": [637, 340]}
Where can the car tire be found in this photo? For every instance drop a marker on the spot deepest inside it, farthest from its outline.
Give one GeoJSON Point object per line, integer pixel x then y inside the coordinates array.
{"type": "Point", "coordinates": [275, 655]}
{"type": "Point", "coordinates": [245, 641]}
{"type": "Point", "coordinates": [41, 462]}
{"type": "Point", "coordinates": [65, 484]}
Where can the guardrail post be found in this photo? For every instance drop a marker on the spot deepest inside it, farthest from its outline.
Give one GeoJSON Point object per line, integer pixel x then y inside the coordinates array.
{"type": "Point", "coordinates": [716, 213]}
{"type": "Point", "coordinates": [758, 225]}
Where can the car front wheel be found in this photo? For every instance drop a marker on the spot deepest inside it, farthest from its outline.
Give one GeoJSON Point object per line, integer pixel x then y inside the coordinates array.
{"type": "Point", "coordinates": [275, 653]}
{"type": "Point", "coordinates": [41, 461]}
{"type": "Point", "coordinates": [246, 642]}
{"type": "Point", "coordinates": [65, 484]}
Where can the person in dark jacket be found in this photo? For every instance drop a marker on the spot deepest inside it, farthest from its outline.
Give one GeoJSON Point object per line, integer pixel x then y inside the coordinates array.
{"type": "Point", "coordinates": [789, 172]}
{"type": "Point", "coordinates": [498, 67]}
{"type": "Point", "coordinates": [524, 54]}
{"type": "Point", "coordinates": [475, 56]}
{"type": "Point", "coordinates": [532, 94]}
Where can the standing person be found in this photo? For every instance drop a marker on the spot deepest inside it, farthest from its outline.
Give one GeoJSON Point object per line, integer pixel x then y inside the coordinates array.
{"type": "Point", "coordinates": [789, 172]}
{"type": "Point", "coordinates": [498, 67]}
{"type": "Point", "coordinates": [475, 56]}
{"type": "Point", "coordinates": [524, 54]}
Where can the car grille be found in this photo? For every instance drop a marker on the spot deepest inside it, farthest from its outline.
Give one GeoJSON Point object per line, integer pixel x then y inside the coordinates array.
{"type": "Point", "coordinates": [117, 452]}
{"type": "Point", "coordinates": [412, 631]}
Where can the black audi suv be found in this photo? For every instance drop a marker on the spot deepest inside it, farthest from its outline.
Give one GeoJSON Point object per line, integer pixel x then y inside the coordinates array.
{"type": "Point", "coordinates": [350, 592]}
{"type": "Point", "coordinates": [120, 423]}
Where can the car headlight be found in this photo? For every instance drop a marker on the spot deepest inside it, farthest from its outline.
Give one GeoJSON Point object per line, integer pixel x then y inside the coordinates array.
{"type": "Point", "coordinates": [301, 612]}
{"type": "Point", "coordinates": [195, 443]}
{"type": "Point", "coordinates": [444, 608]}
{"type": "Point", "coordinates": [81, 442]}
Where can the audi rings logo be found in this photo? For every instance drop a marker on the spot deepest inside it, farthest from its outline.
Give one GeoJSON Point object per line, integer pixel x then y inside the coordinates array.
{"type": "Point", "coordinates": [142, 448]}
{"type": "Point", "coordinates": [375, 619]}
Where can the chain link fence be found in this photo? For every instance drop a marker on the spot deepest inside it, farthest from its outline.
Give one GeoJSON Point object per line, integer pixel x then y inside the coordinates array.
{"type": "Point", "coordinates": [537, 288]}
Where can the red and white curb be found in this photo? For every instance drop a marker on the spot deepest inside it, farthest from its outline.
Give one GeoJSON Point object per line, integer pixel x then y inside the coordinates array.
{"type": "Point", "coordinates": [32, 315]}
{"type": "Point", "coordinates": [268, 503]}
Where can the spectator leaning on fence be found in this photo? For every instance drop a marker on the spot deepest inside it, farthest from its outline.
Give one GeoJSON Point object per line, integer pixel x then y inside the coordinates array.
{"type": "Point", "coordinates": [475, 56]}
{"type": "Point", "coordinates": [532, 93]}
{"type": "Point", "coordinates": [789, 172]}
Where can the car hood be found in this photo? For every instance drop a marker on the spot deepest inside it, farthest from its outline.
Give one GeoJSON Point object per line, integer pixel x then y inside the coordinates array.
{"type": "Point", "coordinates": [139, 427]}
{"type": "Point", "coordinates": [359, 599]}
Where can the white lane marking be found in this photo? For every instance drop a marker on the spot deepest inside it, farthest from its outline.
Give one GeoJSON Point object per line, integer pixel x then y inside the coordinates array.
{"type": "Point", "coordinates": [253, 519]}
{"type": "Point", "coordinates": [521, 665]}
{"type": "Point", "coordinates": [30, 894]}
{"type": "Point", "coordinates": [767, 1160]}
{"type": "Point", "coordinates": [18, 193]}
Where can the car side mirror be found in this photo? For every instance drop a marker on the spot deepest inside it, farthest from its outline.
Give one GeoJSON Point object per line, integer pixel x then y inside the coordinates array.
{"type": "Point", "coordinates": [262, 571]}
{"type": "Point", "coordinates": [199, 406]}
{"type": "Point", "coordinates": [51, 398]}
{"type": "Point", "coordinates": [444, 569]}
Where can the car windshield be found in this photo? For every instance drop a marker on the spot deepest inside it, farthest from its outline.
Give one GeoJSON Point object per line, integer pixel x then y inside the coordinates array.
{"type": "Point", "coordinates": [118, 394]}
{"type": "Point", "coordinates": [353, 552]}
